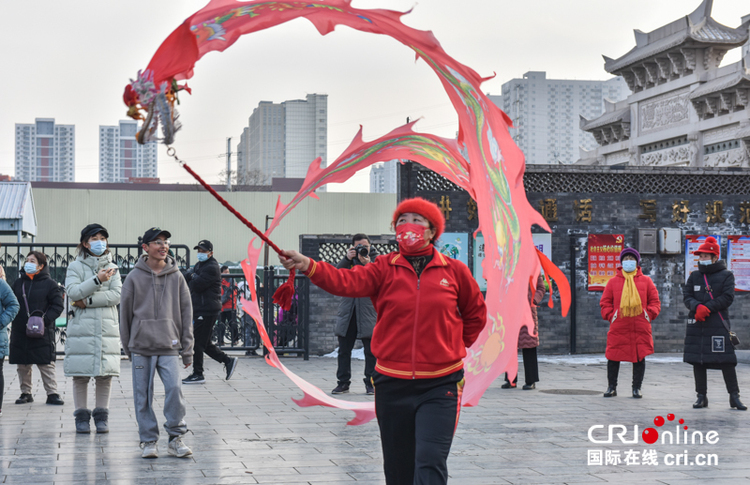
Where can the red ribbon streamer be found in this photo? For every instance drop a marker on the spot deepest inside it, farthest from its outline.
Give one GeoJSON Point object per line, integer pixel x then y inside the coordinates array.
{"type": "Point", "coordinates": [284, 293]}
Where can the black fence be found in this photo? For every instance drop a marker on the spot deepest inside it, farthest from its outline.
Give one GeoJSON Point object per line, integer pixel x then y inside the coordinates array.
{"type": "Point", "coordinates": [289, 331]}
{"type": "Point", "coordinates": [59, 257]}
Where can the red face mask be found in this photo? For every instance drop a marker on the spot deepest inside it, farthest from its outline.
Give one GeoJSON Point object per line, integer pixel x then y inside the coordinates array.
{"type": "Point", "coordinates": [410, 237]}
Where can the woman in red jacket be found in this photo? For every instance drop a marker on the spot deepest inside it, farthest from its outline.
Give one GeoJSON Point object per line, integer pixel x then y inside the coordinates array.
{"type": "Point", "coordinates": [630, 303]}
{"type": "Point", "coordinates": [429, 310]}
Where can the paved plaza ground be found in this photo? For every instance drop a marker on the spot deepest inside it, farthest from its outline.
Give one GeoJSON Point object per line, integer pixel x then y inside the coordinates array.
{"type": "Point", "coordinates": [248, 430]}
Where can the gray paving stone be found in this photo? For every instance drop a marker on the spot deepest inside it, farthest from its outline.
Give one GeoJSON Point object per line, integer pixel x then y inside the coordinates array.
{"type": "Point", "coordinates": [248, 430]}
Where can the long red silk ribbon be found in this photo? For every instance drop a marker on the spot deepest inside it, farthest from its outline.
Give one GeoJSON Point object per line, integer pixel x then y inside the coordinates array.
{"type": "Point", "coordinates": [562, 283]}
{"type": "Point", "coordinates": [283, 295]}
{"type": "Point", "coordinates": [483, 160]}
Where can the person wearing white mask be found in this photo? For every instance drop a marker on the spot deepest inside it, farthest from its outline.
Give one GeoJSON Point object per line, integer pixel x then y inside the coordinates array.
{"type": "Point", "coordinates": [630, 303]}
{"type": "Point", "coordinates": [709, 343]}
{"type": "Point", "coordinates": [92, 348]}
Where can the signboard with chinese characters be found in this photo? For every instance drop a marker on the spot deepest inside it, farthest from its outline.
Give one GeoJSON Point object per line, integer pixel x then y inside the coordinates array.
{"type": "Point", "coordinates": [738, 261]}
{"type": "Point", "coordinates": [543, 243]}
{"type": "Point", "coordinates": [455, 245]}
{"type": "Point", "coordinates": [692, 242]}
{"type": "Point", "coordinates": [604, 256]}
{"type": "Point", "coordinates": [478, 259]}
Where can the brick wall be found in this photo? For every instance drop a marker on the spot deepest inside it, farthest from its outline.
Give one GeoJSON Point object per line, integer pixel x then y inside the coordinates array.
{"type": "Point", "coordinates": [323, 305]}
{"type": "Point", "coordinates": [616, 207]}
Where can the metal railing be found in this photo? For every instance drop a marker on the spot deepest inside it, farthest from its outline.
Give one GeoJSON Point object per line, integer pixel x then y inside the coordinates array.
{"type": "Point", "coordinates": [289, 331]}
{"type": "Point", "coordinates": [60, 255]}
{"type": "Point", "coordinates": [235, 329]}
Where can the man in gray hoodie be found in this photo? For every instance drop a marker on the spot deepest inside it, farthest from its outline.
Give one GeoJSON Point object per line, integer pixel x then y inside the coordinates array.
{"type": "Point", "coordinates": [156, 326]}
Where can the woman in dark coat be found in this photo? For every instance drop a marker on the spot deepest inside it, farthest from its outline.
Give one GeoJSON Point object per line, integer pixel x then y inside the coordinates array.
{"type": "Point", "coordinates": [708, 294]}
{"type": "Point", "coordinates": [528, 342]}
{"type": "Point", "coordinates": [45, 297]}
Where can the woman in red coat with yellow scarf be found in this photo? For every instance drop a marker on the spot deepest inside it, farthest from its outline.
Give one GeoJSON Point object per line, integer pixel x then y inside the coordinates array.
{"type": "Point", "coordinates": [630, 303]}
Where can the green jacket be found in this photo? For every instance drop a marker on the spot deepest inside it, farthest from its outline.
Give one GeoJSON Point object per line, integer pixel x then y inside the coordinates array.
{"type": "Point", "coordinates": [92, 347]}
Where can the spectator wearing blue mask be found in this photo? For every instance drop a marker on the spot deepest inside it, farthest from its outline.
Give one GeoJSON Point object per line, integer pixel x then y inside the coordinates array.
{"type": "Point", "coordinates": [204, 280]}
{"type": "Point", "coordinates": [40, 296]}
{"type": "Point", "coordinates": [92, 347]}
{"type": "Point", "coordinates": [708, 294]}
{"type": "Point", "coordinates": [629, 303]}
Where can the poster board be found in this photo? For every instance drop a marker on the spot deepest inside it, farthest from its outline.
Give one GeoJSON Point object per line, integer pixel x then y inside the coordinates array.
{"type": "Point", "coordinates": [693, 242]}
{"type": "Point", "coordinates": [603, 258]}
{"type": "Point", "coordinates": [455, 245]}
{"type": "Point", "coordinates": [542, 241]}
{"type": "Point", "coordinates": [738, 261]}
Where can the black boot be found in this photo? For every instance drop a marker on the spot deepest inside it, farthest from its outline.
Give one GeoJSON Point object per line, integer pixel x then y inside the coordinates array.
{"type": "Point", "coordinates": [734, 402]}
{"type": "Point", "coordinates": [637, 393]}
{"type": "Point", "coordinates": [611, 392]}
{"type": "Point", "coordinates": [702, 401]}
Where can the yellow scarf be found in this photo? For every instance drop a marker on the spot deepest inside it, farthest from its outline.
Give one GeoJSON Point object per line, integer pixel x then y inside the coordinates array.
{"type": "Point", "coordinates": [630, 302]}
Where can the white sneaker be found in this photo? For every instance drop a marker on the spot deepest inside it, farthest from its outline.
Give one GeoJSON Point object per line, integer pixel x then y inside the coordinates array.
{"type": "Point", "coordinates": [178, 448]}
{"type": "Point", "coordinates": [150, 449]}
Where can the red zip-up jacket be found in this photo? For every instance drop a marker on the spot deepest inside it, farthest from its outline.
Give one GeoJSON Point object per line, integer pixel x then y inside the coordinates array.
{"type": "Point", "coordinates": [424, 324]}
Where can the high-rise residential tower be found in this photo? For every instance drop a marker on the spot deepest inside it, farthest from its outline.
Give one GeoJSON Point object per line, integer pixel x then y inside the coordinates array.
{"type": "Point", "coordinates": [45, 151]}
{"type": "Point", "coordinates": [281, 140]}
{"type": "Point", "coordinates": [384, 177]}
{"type": "Point", "coordinates": [122, 158]}
{"type": "Point", "coordinates": [545, 113]}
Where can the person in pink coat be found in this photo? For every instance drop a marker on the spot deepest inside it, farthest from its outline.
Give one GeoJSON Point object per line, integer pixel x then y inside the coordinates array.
{"type": "Point", "coordinates": [630, 303]}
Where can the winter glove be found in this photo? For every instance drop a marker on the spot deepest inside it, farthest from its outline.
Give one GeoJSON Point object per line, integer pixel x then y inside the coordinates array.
{"type": "Point", "coordinates": [701, 313]}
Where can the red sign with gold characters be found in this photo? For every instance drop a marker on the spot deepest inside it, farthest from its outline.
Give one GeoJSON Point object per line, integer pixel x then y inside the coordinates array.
{"type": "Point", "coordinates": [604, 256]}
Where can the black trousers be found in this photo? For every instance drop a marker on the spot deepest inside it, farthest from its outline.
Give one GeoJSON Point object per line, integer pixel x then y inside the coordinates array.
{"type": "Point", "coordinates": [613, 369]}
{"type": "Point", "coordinates": [701, 379]}
{"type": "Point", "coordinates": [530, 367]}
{"type": "Point", "coordinates": [346, 344]}
{"type": "Point", "coordinates": [417, 420]}
{"type": "Point", "coordinates": [203, 329]}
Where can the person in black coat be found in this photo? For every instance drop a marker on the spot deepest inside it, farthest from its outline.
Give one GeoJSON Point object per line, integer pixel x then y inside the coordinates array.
{"type": "Point", "coordinates": [45, 297]}
{"type": "Point", "coordinates": [708, 294]}
{"type": "Point", "coordinates": [204, 281]}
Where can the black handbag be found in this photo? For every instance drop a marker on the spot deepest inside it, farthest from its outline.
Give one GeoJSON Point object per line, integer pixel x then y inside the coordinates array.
{"type": "Point", "coordinates": [733, 338]}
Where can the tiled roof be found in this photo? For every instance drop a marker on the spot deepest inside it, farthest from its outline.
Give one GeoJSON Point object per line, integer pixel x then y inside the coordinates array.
{"type": "Point", "coordinates": [620, 115]}
{"type": "Point", "coordinates": [720, 84]}
{"type": "Point", "coordinates": [693, 30]}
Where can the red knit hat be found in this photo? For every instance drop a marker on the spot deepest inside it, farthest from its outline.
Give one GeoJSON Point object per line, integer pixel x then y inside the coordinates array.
{"type": "Point", "coordinates": [425, 208]}
{"type": "Point", "coordinates": [709, 246]}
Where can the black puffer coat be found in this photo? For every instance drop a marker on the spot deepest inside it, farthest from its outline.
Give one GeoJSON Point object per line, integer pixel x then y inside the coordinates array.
{"type": "Point", "coordinates": [44, 294]}
{"type": "Point", "coordinates": [708, 342]}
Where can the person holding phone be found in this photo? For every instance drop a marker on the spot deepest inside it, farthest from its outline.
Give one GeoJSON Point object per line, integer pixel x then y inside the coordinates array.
{"type": "Point", "coordinates": [92, 348]}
